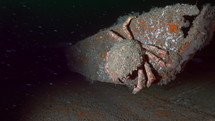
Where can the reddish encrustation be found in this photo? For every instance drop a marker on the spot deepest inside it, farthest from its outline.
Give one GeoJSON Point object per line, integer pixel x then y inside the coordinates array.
{"type": "Point", "coordinates": [152, 47]}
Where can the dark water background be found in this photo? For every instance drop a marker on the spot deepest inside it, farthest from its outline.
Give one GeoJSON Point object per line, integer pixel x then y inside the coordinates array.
{"type": "Point", "coordinates": [29, 27]}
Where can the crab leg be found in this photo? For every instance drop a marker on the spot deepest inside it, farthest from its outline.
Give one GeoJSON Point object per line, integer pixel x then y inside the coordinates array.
{"type": "Point", "coordinates": [140, 82]}
{"type": "Point", "coordinates": [115, 36]}
{"type": "Point", "coordinates": [125, 28]}
{"type": "Point", "coordinates": [155, 49]}
{"type": "Point", "coordinates": [155, 58]}
{"type": "Point", "coordinates": [149, 74]}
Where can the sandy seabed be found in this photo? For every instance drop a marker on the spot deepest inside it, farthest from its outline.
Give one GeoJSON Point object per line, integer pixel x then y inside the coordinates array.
{"type": "Point", "coordinates": [190, 97]}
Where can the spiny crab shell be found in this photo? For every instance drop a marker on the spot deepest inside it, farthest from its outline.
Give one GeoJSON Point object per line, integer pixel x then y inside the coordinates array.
{"type": "Point", "coordinates": [123, 58]}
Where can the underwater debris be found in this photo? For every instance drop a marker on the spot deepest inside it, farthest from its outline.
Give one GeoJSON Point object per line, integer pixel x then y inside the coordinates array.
{"type": "Point", "coordinates": [180, 30]}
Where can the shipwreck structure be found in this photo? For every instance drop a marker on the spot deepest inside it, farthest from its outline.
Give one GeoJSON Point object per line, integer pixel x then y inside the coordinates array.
{"type": "Point", "coordinates": [178, 30]}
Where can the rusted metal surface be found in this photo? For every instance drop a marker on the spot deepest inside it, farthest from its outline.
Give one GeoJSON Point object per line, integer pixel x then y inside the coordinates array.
{"type": "Point", "coordinates": [180, 29]}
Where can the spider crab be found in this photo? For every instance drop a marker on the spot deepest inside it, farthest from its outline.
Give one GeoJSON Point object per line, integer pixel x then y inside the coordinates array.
{"type": "Point", "coordinates": [129, 55]}
{"type": "Point", "coordinates": [152, 47]}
